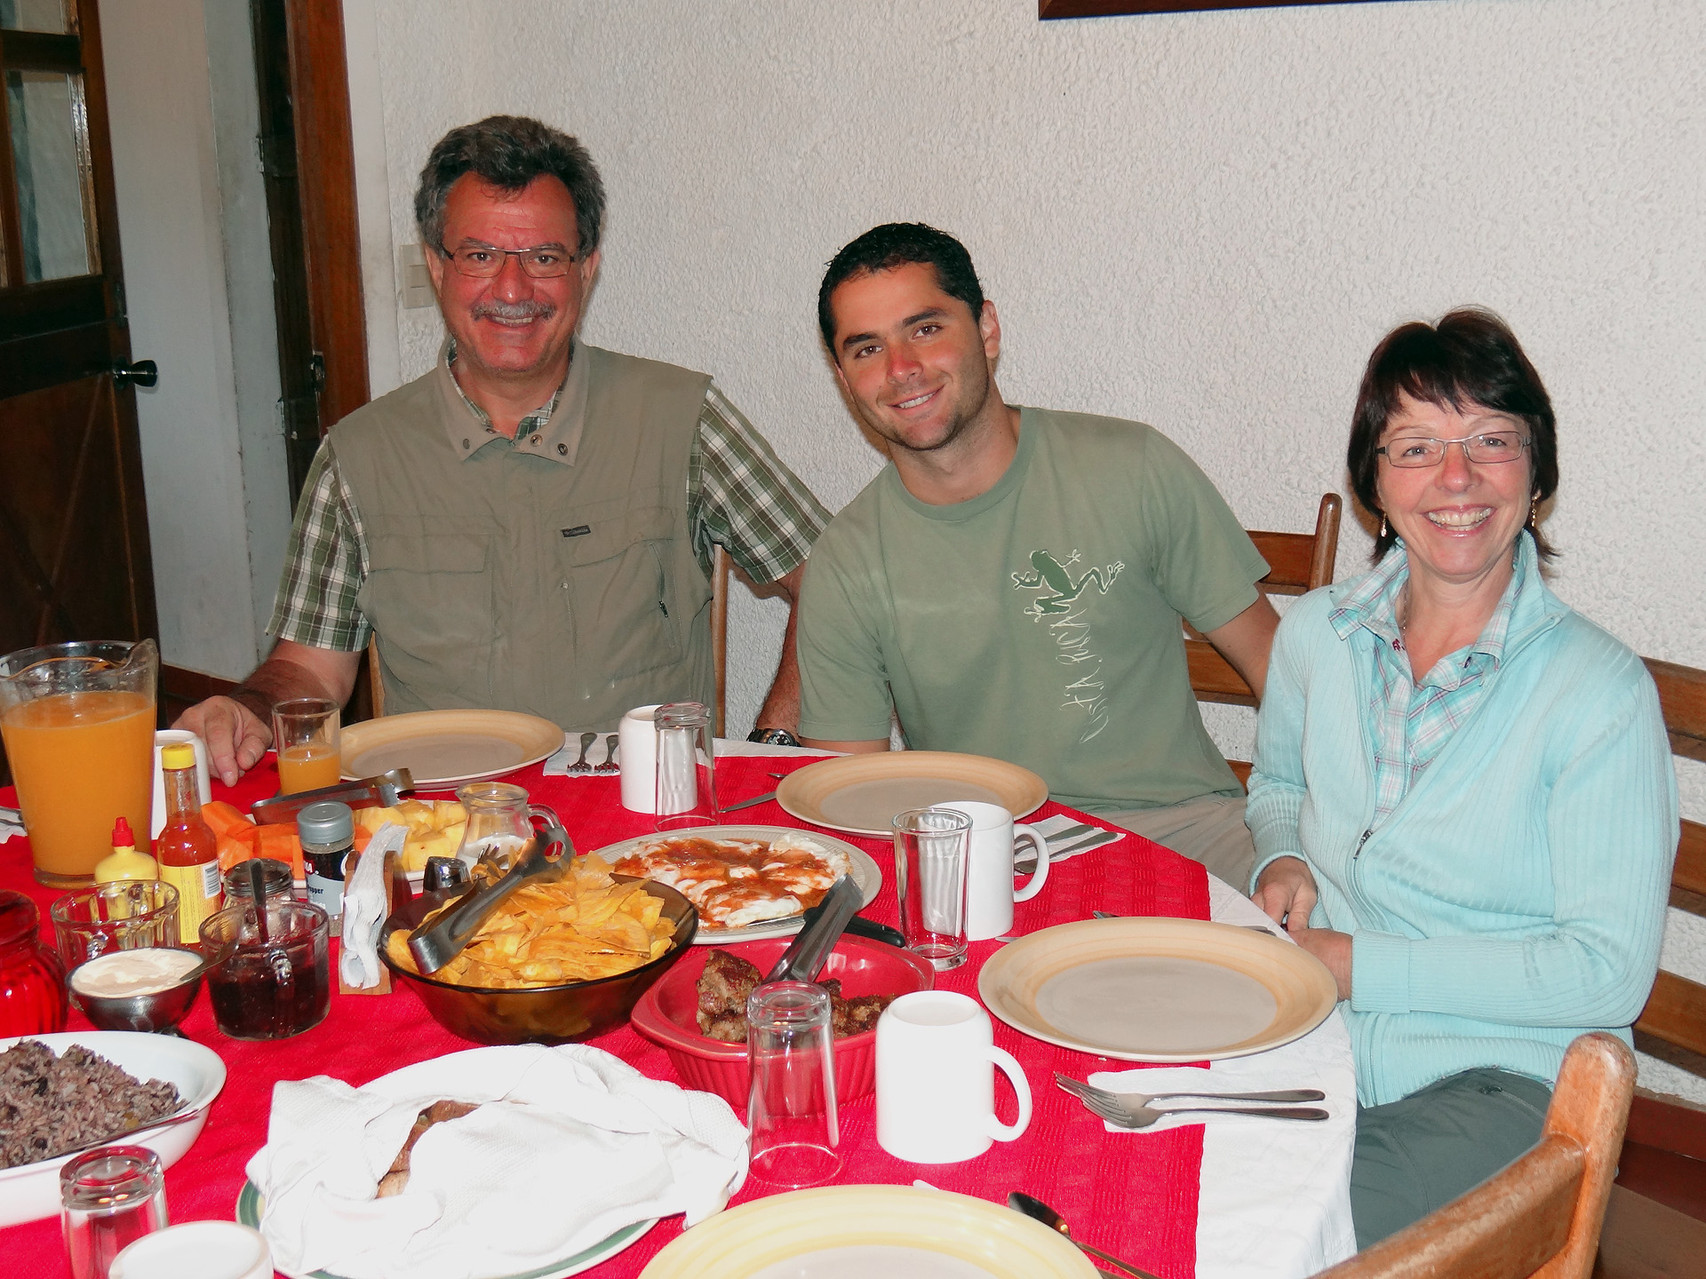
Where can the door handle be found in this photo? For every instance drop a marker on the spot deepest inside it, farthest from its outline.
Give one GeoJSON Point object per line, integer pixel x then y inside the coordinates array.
{"type": "Point", "coordinates": [142, 373]}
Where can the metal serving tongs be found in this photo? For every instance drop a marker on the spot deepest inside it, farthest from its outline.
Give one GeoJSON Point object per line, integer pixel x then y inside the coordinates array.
{"type": "Point", "coordinates": [804, 959]}
{"type": "Point", "coordinates": [441, 938]}
{"type": "Point", "coordinates": [383, 791]}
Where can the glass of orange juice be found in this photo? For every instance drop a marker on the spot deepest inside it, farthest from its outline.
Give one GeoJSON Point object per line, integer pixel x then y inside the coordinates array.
{"type": "Point", "coordinates": [78, 723]}
{"type": "Point", "coordinates": [305, 735]}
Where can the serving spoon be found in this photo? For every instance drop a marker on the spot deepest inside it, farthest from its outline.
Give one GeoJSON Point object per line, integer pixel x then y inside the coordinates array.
{"type": "Point", "coordinates": [1037, 1210]}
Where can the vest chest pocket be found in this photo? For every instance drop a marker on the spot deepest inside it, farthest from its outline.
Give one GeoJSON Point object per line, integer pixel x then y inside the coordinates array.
{"type": "Point", "coordinates": [430, 599]}
{"type": "Point", "coordinates": [620, 596]}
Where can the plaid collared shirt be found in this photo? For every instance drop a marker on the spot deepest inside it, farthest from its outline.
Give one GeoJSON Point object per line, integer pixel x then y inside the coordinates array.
{"type": "Point", "coordinates": [1408, 721]}
{"type": "Point", "coordinates": [739, 496]}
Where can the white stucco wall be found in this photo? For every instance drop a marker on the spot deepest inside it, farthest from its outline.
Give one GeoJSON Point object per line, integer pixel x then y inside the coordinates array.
{"type": "Point", "coordinates": [1201, 220]}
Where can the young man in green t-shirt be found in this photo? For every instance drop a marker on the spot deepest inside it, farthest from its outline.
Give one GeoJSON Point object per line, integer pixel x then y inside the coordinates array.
{"type": "Point", "coordinates": [1012, 584]}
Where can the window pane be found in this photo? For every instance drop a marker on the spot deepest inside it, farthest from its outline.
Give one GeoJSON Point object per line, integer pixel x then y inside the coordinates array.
{"type": "Point", "coordinates": [34, 15]}
{"type": "Point", "coordinates": [49, 163]}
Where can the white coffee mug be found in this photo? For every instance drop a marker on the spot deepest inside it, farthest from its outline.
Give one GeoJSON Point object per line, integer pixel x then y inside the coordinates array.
{"type": "Point", "coordinates": [203, 789]}
{"type": "Point", "coordinates": [991, 894]}
{"type": "Point", "coordinates": [637, 758]}
{"type": "Point", "coordinates": [936, 1061]}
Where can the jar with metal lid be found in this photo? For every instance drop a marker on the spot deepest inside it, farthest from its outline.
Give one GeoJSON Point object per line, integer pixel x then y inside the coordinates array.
{"type": "Point", "coordinates": [275, 881]}
{"type": "Point", "coordinates": [327, 829]}
{"type": "Point", "coordinates": [32, 978]}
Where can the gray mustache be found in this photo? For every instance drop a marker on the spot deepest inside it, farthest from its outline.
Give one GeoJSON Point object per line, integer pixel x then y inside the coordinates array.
{"type": "Point", "coordinates": [534, 310]}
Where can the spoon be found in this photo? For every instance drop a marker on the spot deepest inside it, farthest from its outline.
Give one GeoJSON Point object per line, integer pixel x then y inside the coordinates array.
{"type": "Point", "coordinates": [258, 887]}
{"type": "Point", "coordinates": [1037, 1210]}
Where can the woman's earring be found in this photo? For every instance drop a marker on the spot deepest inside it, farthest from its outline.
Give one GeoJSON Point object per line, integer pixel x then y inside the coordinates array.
{"type": "Point", "coordinates": [1383, 527]}
{"type": "Point", "coordinates": [1533, 511]}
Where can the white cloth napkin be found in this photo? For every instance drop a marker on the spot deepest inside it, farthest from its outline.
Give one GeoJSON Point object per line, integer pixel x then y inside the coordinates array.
{"type": "Point", "coordinates": [569, 1145]}
{"type": "Point", "coordinates": [366, 897]}
{"type": "Point", "coordinates": [558, 764]}
{"type": "Point", "coordinates": [1060, 848]}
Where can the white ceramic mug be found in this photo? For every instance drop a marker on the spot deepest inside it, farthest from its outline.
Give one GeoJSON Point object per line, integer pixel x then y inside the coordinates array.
{"type": "Point", "coordinates": [990, 894]}
{"type": "Point", "coordinates": [203, 789]}
{"type": "Point", "coordinates": [936, 1063]}
{"type": "Point", "coordinates": [637, 758]}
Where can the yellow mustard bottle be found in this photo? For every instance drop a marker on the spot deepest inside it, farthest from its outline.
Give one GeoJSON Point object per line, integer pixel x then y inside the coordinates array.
{"type": "Point", "coordinates": [125, 862]}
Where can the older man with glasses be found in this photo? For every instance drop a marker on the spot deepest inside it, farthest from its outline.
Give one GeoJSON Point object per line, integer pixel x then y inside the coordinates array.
{"type": "Point", "coordinates": [528, 526]}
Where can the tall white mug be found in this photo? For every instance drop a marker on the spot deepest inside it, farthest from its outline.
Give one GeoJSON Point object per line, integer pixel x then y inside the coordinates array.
{"type": "Point", "coordinates": [990, 893]}
{"type": "Point", "coordinates": [936, 1063]}
{"type": "Point", "coordinates": [637, 758]}
{"type": "Point", "coordinates": [204, 791]}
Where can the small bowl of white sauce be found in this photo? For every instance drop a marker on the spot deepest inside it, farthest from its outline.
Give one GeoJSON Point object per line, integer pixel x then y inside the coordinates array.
{"type": "Point", "coordinates": [146, 989]}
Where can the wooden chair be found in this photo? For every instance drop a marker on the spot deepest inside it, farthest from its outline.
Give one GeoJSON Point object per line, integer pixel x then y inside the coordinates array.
{"type": "Point", "coordinates": [375, 683]}
{"type": "Point", "coordinates": [1297, 562]}
{"type": "Point", "coordinates": [1656, 1224]}
{"type": "Point", "coordinates": [1540, 1216]}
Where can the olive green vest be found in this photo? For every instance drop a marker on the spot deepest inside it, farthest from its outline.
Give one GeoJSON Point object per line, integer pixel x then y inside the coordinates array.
{"type": "Point", "coordinates": [554, 574]}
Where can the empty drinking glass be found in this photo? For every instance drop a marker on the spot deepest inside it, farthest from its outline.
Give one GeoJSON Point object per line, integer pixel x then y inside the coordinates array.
{"type": "Point", "coordinates": [931, 849]}
{"type": "Point", "coordinates": [686, 767]}
{"type": "Point", "coordinates": [790, 1110]}
{"type": "Point", "coordinates": [109, 1197]}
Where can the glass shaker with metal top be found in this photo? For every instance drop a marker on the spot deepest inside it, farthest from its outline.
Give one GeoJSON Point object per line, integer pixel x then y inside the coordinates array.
{"type": "Point", "coordinates": [328, 837]}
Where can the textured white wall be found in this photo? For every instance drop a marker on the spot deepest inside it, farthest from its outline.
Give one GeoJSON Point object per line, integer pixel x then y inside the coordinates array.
{"type": "Point", "coordinates": [1201, 220]}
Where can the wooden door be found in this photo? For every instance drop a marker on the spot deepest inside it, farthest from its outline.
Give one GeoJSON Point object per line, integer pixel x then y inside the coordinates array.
{"type": "Point", "coordinates": [74, 558]}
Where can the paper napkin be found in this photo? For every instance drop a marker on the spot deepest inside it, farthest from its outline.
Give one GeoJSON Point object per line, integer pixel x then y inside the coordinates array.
{"type": "Point", "coordinates": [365, 902]}
{"type": "Point", "coordinates": [568, 1146]}
{"type": "Point", "coordinates": [11, 824]}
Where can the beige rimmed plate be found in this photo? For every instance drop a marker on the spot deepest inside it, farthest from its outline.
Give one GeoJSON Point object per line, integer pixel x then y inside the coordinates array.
{"type": "Point", "coordinates": [446, 748]}
{"type": "Point", "coordinates": [1157, 989]}
{"type": "Point", "coordinates": [847, 1232]}
{"type": "Point", "coordinates": [861, 793]}
{"type": "Point", "coordinates": [867, 875]}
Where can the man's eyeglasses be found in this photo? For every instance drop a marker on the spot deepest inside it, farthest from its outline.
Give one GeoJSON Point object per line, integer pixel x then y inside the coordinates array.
{"type": "Point", "coordinates": [482, 260]}
{"type": "Point", "coordinates": [1486, 449]}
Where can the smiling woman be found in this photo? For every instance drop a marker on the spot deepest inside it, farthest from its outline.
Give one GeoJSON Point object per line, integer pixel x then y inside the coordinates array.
{"type": "Point", "coordinates": [1462, 798]}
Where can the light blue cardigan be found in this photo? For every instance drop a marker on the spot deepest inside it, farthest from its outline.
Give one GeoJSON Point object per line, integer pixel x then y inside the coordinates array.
{"type": "Point", "coordinates": [1516, 897]}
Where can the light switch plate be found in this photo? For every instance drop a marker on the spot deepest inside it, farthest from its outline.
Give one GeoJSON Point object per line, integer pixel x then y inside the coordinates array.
{"type": "Point", "coordinates": [417, 284]}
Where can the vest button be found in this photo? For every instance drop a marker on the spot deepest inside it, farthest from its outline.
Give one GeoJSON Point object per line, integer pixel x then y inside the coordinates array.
{"type": "Point", "coordinates": [534, 441]}
{"type": "Point", "coordinates": [464, 443]}
{"type": "Point", "coordinates": [562, 450]}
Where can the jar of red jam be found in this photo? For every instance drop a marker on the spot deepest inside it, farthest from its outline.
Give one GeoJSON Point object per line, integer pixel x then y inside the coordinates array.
{"type": "Point", "coordinates": [32, 978]}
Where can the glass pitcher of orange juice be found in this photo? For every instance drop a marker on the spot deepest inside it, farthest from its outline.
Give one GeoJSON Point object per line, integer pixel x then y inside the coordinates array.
{"type": "Point", "coordinates": [78, 723]}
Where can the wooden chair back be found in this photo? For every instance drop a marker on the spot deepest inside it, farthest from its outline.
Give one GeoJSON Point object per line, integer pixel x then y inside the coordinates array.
{"type": "Point", "coordinates": [719, 631]}
{"type": "Point", "coordinates": [375, 683]}
{"type": "Point", "coordinates": [1673, 1024]}
{"type": "Point", "coordinates": [1297, 562]}
{"type": "Point", "coordinates": [1541, 1216]}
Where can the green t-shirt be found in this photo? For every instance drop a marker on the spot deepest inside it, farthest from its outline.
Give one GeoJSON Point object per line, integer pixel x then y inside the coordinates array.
{"type": "Point", "coordinates": [1038, 622]}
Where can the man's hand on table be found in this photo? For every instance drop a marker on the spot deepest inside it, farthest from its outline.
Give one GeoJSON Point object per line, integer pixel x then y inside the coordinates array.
{"type": "Point", "coordinates": [236, 737]}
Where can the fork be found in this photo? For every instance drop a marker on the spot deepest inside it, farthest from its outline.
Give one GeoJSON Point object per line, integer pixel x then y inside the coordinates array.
{"type": "Point", "coordinates": [609, 765]}
{"type": "Point", "coordinates": [1085, 1091]}
{"type": "Point", "coordinates": [1134, 1117]}
{"type": "Point", "coordinates": [580, 765]}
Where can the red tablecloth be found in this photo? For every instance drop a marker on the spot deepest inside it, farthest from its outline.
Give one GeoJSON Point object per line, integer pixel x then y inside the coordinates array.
{"type": "Point", "coordinates": [1135, 1198]}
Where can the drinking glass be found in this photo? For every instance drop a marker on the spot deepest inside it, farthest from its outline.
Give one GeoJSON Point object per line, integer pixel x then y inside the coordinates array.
{"type": "Point", "coordinates": [790, 1110]}
{"type": "Point", "coordinates": [305, 735]}
{"type": "Point", "coordinates": [78, 723]}
{"type": "Point", "coordinates": [686, 767]}
{"type": "Point", "coordinates": [268, 987]}
{"type": "Point", "coordinates": [931, 849]}
{"type": "Point", "coordinates": [127, 914]}
{"type": "Point", "coordinates": [109, 1197]}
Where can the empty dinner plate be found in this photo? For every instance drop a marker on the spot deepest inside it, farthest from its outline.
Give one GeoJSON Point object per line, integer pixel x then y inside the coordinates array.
{"type": "Point", "coordinates": [848, 1232]}
{"type": "Point", "coordinates": [1157, 990]}
{"type": "Point", "coordinates": [861, 793]}
{"type": "Point", "coordinates": [447, 748]}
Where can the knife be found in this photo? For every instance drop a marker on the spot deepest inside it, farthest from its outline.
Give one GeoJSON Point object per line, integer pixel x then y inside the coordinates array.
{"type": "Point", "coordinates": [383, 791]}
{"type": "Point", "coordinates": [804, 958]}
{"type": "Point", "coordinates": [749, 803]}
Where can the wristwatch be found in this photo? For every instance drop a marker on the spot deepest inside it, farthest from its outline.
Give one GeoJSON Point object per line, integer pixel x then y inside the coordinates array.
{"type": "Point", "coordinates": [773, 737]}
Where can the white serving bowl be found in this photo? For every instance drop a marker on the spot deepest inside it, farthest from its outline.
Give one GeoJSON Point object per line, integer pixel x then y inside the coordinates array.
{"type": "Point", "coordinates": [31, 1191]}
